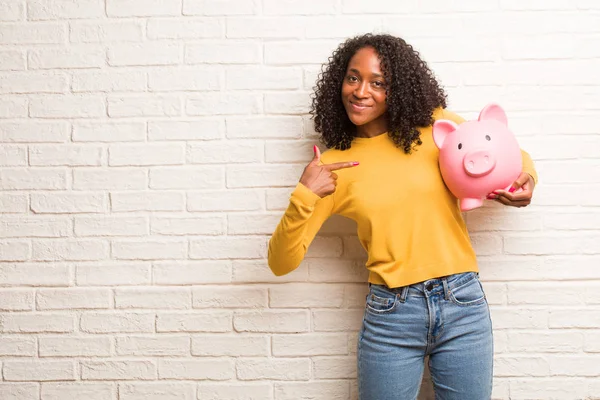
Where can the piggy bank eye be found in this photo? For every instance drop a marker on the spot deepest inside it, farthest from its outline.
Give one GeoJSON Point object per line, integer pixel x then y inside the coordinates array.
{"type": "Point", "coordinates": [488, 138]}
{"type": "Point", "coordinates": [460, 146]}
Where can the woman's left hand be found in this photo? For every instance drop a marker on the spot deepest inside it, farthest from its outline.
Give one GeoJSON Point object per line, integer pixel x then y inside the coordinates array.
{"type": "Point", "coordinates": [520, 199]}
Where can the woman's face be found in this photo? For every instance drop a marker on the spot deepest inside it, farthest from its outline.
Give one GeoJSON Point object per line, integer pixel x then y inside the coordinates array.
{"type": "Point", "coordinates": [364, 93]}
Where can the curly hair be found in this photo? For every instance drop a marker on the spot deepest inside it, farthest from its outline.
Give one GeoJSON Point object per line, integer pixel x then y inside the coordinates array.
{"type": "Point", "coordinates": [412, 92]}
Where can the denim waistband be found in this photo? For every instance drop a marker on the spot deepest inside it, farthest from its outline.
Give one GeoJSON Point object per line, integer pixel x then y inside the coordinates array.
{"type": "Point", "coordinates": [431, 286]}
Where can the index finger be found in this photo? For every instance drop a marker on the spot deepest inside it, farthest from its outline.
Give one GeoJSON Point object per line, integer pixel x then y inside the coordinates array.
{"type": "Point", "coordinates": [340, 165]}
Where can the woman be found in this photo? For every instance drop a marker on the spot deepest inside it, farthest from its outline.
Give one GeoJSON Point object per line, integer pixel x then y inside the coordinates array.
{"type": "Point", "coordinates": [374, 106]}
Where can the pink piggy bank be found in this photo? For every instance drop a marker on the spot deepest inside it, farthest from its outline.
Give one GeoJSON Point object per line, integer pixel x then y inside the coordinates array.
{"type": "Point", "coordinates": [478, 157]}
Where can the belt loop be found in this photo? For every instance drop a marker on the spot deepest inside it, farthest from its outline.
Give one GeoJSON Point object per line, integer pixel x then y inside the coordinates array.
{"type": "Point", "coordinates": [404, 293]}
{"type": "Point", "coordinates": [445, 284]}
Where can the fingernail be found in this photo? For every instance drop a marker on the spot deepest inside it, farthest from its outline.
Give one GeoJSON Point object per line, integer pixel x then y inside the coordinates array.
{"type": "Point", "coordinates": [355, 163]}
{"type": "Point", "coordinates": [315, 148]}
{"type": "Point", "coordinates": [512, 189]}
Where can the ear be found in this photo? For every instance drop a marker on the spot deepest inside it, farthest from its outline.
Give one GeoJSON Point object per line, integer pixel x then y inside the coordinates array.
{"type": "Point", "coordinates": [441, 129]}
{"type": "Point", "coordinates": [493, 111]}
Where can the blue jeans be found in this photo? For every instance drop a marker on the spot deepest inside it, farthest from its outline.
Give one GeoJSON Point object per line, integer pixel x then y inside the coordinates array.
{"type": "Point", "coordinates": [446, 318]}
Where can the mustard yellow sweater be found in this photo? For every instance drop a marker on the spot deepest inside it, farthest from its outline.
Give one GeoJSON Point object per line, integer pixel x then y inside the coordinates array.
{"type": "Point", "coordinates": [408, 221]}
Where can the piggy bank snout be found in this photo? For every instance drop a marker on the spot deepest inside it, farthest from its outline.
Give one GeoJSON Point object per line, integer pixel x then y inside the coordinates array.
{"type": "Point", "coordinates": [479, 163]}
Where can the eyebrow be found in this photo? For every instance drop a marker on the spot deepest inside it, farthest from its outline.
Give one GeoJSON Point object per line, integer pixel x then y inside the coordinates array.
{"type": "Point", "coordinates": [375, 74]}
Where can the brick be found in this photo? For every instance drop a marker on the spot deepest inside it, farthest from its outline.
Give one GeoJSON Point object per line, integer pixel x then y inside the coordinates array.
{"type": "Point", "coordinates": [251, 271]}
{"type": "Point", "coordinates": [17, 347]}
{"type": "Point", "coordinates": [229, 391]}
{"type": "Point", "coordinates": [543, 293]}
{"type": "Point", "coordinates": [88, 391]}
{"type": "Point", "coordinates": [280, 127]}
{"type": "Point", "coordinates": [33, 33]}
{"type": "Point", "coordinates": [547, 388]}
{"type": "Point", "coordinates": [27, 274]}
{"type": "Point", "coordinates": [229, 297]}
{"type": "Point", "coordinates": [144, 106]}
{"type": "Point", "coordinates": [158, 390]}
{"type": "Point", "coordinates": [146, 154]}
{"type": "Point", "coordinates": [208, 369]}
{"type": "Point", "coordinates": [140, 54]}
{"type": "Point", "coordinates": [226, 248]}
{"type": "Point", "coordinates": [216, 152]}
{"type": "Point", "coordinates": [70, 106]}
{"type": "Point", "coordinates": [16, 300]}
{"type": "Point", "coordinates": [313, 390]}
{"type": "Point", "coordinates": [74, 347]}
{"type": "Point", "coordinates": [202, 129]}
{"type": "Point", "coordinates": [299, 52]}
{"type": "Point", "coordinates": [13, 156]}
{"type": "Point", "coordinates": [188, 28]}
{"type": "Point", "coordinates": [11, 108]}
{"type": "Point", "coordinates": [550, 244]}
{"type": "Point", "coordinates": [163, 298]}
{"type": "Point", "coordinates": [79, 56]}
{"type": "Point", "coordinates": [230, 345]}
{"type": "Point", "coordinates": [118, 370]}
{"type": "Point", "coordinates": [178, 226]}
{"type": "Point", "coordinates": [147, 201]}
{"type": "Point", "coordinates": [271, 321]}
{"type": "Point", "coordinates": [56, 9]}
{"type": "Point", "coordinates": [72, 298]}
{"type": "Point", "coordinates": [149, 250]}
{"type": "Point", "coordinates": [211, 104]}
{"type": "Point", "coordinates": [263, 176]}
{"type": "Point", "coordinates": [35, 227]}
{"type": "Point", "coordinates": [264, 78]}
{"type": "Point", "coordinates": [33, 179]}
{"type": "Point", "coordinates": [12, 11]}
{"type": "Point", "coordinates": [113, 275]}
{"type": "Point", "coordinates": [482, 220]}
{"type": "Point", "coordinates": [140, 8]}
{"type": "Point", "coordinates": [516, 318]}
{"type": "Point", "coordinates": [71, 203]}
{"type": "Point", "coordinates": [109, 131]}
{"type": "Point", "coordinates": [187, 178]}
{"type": "Point", "coordinates": [574, 319]}
{"type": "Point", "coordinates": [122, 322]}
{"type": "Point", "coordinates": [287, 103]}
{"type": "Point", "coordinates": [191, 272]}
{"type": "Point", "coordinates": [153, 346]}
{"type": "Point", "coordinates": [310, 344]}
{"type": "Point", "coordinates": [199, 321]}
{"type": "Point", "coordinates": [248, 224]}
{"type": "Point", "coordinates": [290, 7]}
{"type": "Point", "coordinates": [574, 365]}
{"type": "Point", "coordinates": [288, 151]}
{"type": "Point", "coordinates": [545, 342]}
{"type": "Point", "coordinates": [109, 179]}
{"type": "Point", "coordinates": [108, 81]}
{"type": "Point", "coordinates": [335, 321]}
{"type": "Point", "coordinates": [306, 295]}
{"type": "Point", "coordinates": [335, 368]}
{"type": "Point", "coordinates": [220, 7]}
{"type": "Point", "coordinates": [15, 250]}
{"type": "Point", "coordinates": [33, 82]}
{"type": "Point", "coordinates": [225, 200]}
{"type": "Point", "coordinates": [19, 391]}
{"type": "Point", "coordinates": [223, 52]}
{"type": "Point", "coordinates": [70, 155]}
{"type": "Point", "coordinates": [168, 80]}
{"type": "Point", "coordinates": [39, 370]}
{"type": "Point", "coordinates": [69, 250]}
{"type": "Point", "coordinates": [392, 7]}
{"type": "Point", "coordinates": [276, 369]}
{"type": "Point", "coordinates": [41, 323]}
{"type": "Point", "coordinates": [106, 32]}
{"type": "Point", "coordinates": [266, 27]}
{"type": "Point", "coordinates": [111, 226]}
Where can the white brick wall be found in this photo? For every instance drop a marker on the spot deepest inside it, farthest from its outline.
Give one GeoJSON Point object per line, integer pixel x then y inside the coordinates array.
{"type": "Point", "coordinates": [148, 149]}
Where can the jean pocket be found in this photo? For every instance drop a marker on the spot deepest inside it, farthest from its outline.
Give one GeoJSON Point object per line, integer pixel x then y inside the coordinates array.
{"type": "Point", "coordinates": [381, 303]}
{"type": "Point", "coordinates": [469, 293]}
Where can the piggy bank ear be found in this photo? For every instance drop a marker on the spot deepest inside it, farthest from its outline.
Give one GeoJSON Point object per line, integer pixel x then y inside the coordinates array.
{"type": "Point", "coordinates": [493, 111]}
{"type": "Point", "coordinates": [441, 129]}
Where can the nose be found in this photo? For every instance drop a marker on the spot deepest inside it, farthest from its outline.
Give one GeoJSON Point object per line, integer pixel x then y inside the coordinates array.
{"type": "Point", "coordinates": [479, 163]}
{"type": "Point", "coordinates": [361, 90]}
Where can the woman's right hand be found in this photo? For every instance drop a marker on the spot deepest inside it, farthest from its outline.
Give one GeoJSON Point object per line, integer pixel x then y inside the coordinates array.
{"type": "Point", "coordinates": [320, 178]}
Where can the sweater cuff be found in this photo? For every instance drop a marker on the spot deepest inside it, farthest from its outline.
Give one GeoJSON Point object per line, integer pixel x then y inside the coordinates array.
{"type": "Point", "coordinates": [305, 195]}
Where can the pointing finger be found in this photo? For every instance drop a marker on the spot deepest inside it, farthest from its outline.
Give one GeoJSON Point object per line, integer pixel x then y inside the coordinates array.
{"type": "Point", "coordinates": [340, 165]}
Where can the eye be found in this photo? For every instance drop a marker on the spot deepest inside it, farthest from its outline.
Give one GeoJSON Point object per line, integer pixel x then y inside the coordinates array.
{"type": "Point", "coordinates": [352, 79]}
{"type": "Point", "coordinates": [488, 138]}
{"type": "Point", "coordinates": [460, 146]}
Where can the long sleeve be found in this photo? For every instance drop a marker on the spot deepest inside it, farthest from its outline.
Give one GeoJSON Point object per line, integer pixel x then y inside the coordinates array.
{"type": "Point", "coordinates": [528, 166]}
{"type": "Point", "coordinates": [299, 225]}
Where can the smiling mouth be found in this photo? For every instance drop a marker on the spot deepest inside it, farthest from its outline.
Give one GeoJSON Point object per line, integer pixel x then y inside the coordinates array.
{"type": "Point", "coordinates": [357, 107]}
